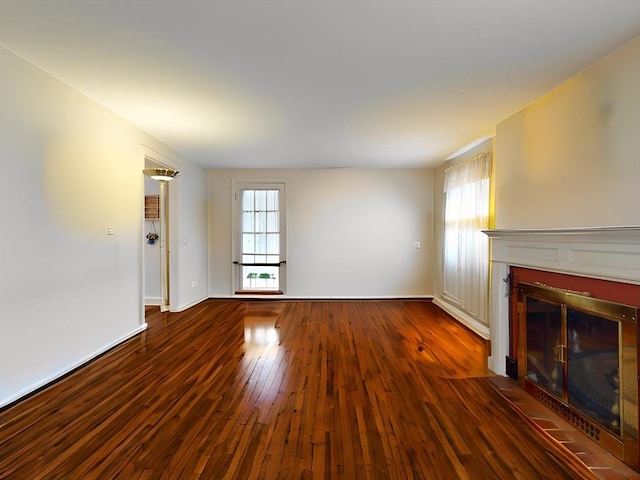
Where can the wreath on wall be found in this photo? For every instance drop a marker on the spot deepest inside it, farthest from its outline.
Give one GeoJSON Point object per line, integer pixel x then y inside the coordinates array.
{"type": "Point", "coordinates": [152, 236]}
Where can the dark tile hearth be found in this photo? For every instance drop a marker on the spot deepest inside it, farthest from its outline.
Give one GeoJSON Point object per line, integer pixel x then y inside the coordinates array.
{"type": "Point", "coordinates": [602, 463]}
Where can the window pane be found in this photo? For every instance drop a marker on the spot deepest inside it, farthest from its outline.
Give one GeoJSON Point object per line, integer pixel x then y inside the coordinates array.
{"type": "Point", "coordinates": [272, 222]}
{"type": "Point", "coordinates": [261, 221]}
{"type": "Point", "coordinates": [260, 278]}
{"type": "Point", "coordinates": [247, 200]}
{"type": "Point", "coordinates": [248, 243]}
{"type": "Point", "coordinates": [273, 243]}
{"type": "Point", "coordinates": [247, 222]}
{"type": "Point", "coordinates": [261, 200]}
{"type": "Point", "coordinates": [272, 200]}
{"type": "Point", "coordinates": [261, 243]}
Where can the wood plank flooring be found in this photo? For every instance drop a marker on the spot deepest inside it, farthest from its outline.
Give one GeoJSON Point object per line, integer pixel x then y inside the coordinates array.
{"type": "Point", "coordinates": [340, 390]}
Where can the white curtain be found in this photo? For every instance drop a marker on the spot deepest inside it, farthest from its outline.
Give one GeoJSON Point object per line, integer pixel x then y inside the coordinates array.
{"type": "Point", "coordinates": [466, 248]}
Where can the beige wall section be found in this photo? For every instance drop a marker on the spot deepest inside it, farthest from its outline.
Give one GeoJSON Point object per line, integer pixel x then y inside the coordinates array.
{"type": "Point", "coordinates": [572, 158]}
{"type": "Point", "coordinates": [351, 232]}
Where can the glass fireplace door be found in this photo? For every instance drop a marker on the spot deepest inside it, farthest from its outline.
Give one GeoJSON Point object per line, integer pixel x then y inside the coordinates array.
{"type": "Point", "coordinates": [545, 346]}
{"type": "Point", "coordinates": [579, 357]}
{"type": "Point", "coordinates": [574, 356]}
{"type": "Point", "coordinates": [579, 350]}
{"type": "Point", "coordinates": [593, 367]}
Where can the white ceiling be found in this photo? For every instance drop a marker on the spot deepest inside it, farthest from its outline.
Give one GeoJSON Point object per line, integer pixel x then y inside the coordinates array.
{"type": "Point", "coordinates": [311, 83]}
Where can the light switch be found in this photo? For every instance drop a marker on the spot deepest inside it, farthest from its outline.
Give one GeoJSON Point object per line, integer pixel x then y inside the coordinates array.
{"type": "Point", "coordinates": [417, 244]}
{"type": "Point", "coordinates": [109, 231]}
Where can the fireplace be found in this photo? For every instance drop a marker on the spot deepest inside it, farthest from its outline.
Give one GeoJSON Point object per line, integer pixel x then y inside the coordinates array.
{"type": "Point", "coordinates": [578, 355]}
{"type": "Point", "coordinates": [563, 313]}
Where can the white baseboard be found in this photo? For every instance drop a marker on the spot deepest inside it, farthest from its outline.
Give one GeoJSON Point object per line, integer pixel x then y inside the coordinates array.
{"type": "Point", "coordinates": [153, 301]}
{"type": "Point", "coordinates": [70, 368]}
{"type": "Point", "coordinates": [291, 297]}
{"type": "Point", "coordinates": [464, 318]}
{"type": "Point", "coordinates": [189, 305]}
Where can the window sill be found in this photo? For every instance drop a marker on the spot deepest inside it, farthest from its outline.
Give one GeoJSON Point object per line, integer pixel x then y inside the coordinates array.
{"type": "Point", "coordinates": [259, 292]}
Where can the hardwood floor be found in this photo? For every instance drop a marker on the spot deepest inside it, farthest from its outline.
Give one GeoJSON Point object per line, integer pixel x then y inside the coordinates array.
{"type": "Point", "coordinates": [340, 390]}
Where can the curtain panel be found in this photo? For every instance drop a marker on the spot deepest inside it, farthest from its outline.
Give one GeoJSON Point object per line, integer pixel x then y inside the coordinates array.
{"type": "Point", "coordinates": [466, 248]}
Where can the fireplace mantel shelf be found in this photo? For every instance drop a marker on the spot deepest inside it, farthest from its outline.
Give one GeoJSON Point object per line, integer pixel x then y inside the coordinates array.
{"type": "Point", "coordinates": [633, 230]}
{"type": "Point", "coordinates": [609, 253]}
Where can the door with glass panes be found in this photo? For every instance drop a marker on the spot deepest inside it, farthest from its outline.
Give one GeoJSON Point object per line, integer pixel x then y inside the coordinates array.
{"type": "Point", "coordinates": [259, 238]}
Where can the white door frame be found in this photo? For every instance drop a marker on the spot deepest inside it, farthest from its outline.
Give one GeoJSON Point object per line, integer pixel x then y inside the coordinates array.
{"type": "Point", "coordinates": [238, 185]}
{"type": "Point", "coordinates": [153, 159]}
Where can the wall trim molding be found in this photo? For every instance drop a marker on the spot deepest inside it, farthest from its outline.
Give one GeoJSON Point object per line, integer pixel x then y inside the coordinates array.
{"type": "Point", "coordinates": [464, 318]}
{"type": "Point", "coordinates": [606, 253]}
{"type": "Point", "coordinates": [45, 382]}
{"type": "Point", "coordinates": [152, 301]}
{"type": "Point", "coordinates": [182, 308]}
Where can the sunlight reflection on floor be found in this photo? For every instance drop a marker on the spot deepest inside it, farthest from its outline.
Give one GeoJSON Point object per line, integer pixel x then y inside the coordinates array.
{"type": "Point", "coordinates": [260, 323]}
{"type": "Point", "coordinates": [260, 333]}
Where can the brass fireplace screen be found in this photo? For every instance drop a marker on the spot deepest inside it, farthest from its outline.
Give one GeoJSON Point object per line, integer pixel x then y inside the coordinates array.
{"type": "Point", "coordinates": [580, 355]}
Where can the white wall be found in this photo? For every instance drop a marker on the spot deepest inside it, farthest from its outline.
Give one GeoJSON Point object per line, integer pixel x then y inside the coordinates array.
{"type": "Point", "coordinates": [70, 169]}
{"type": "Point", "coordinates": [350, 231]}
{"type": "Point", "coordinates": [572, 158]}
{"type": "Point", "coordinates": [188, 196]}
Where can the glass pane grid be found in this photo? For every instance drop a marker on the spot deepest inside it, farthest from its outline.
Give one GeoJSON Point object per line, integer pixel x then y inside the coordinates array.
{"type": "Point", "coordinates": [260, 278]}
{"type": "Point", "coordinates": [260, 239]}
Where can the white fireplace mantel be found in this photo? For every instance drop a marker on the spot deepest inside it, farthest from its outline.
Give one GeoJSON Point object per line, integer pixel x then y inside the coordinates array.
{"type": "Point", "coordinates": [607, 253]}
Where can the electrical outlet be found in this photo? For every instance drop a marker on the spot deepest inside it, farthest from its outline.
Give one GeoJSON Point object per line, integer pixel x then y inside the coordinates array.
{"type": "Point", "coordinates": [109, 231]}
{"type": "Point", "coordinates": [417, 244]}
{"type": "Point", "coordinates": [194, 283]}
